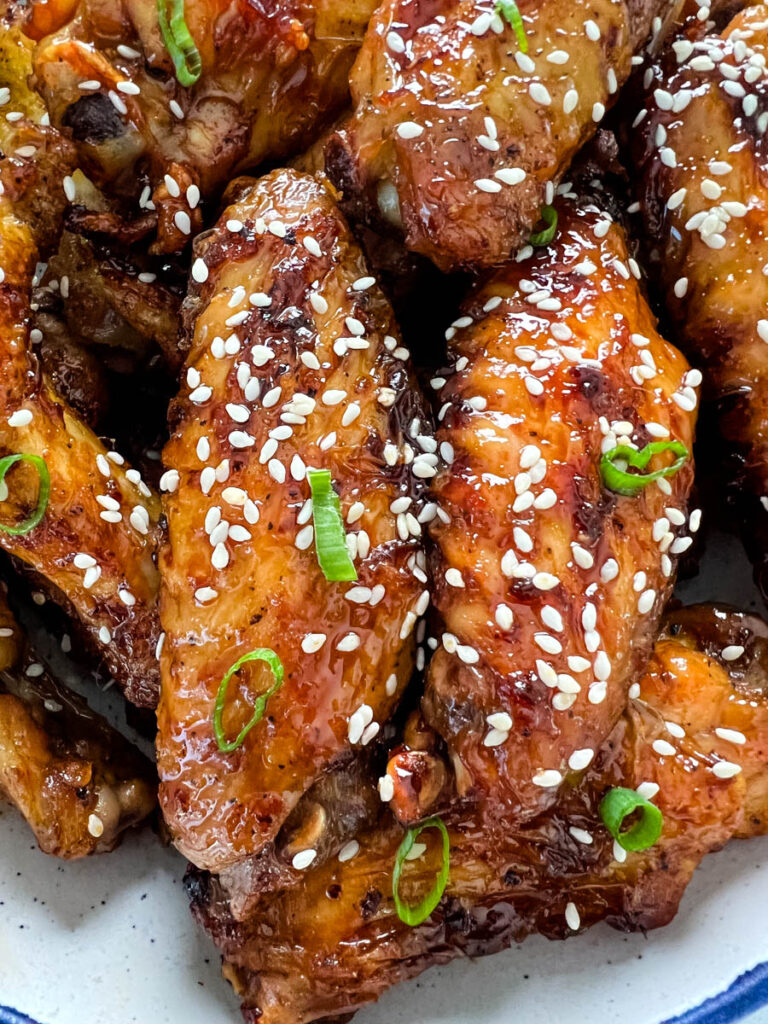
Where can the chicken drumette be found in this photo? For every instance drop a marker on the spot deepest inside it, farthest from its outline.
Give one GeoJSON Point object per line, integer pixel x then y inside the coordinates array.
{"type": "Point", "coordinates": [78, 783]}
{"type": "Point", "coordinates": [463, 120]}
{"type": "Point", "coordinates": [700, 149]}
{"type": "Point", "coordinates": [294, 367]}
{"type": "Point", "coordinates": [270, 78]}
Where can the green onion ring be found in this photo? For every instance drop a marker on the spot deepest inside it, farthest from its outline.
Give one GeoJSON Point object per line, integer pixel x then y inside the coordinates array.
{"type": "Point", "coordinates": [179, 42]}
{"type": "Point", "coordinates": [614, 808]}
{"type": "Point", "coordinates": [549, 216]}
{"type": "Point", "coordinates": [508, 9]}
{"type": "Point", "coordinates": [267, 655]}
{"type": "Point", "coordinates": [330, 539]}
{"type": "Point", "coordinates": [416, 914]}
{"type": "Point", "coordinates": [619, 480]}
{"type": "Point", "coordinates": [43, 495]}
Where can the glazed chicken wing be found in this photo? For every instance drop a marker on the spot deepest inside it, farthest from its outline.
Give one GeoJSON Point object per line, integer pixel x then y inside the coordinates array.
{"type": "Point", "coordinates": [549, 581]}
{"type": "Point", "coordinates": [271, 77]}
{"type": "Point", "coordinates": [294, 367]}
{"type": "Point", "coordinates": [463, 122]}
{"type": "Point", "coordinates": [693, 740]}
{"type": "Point", "coordinates": [701, 152]}
{"type": "Point", "coordinates": [95, 541]}
{"type": "Point", "coordinates": [78, 783]}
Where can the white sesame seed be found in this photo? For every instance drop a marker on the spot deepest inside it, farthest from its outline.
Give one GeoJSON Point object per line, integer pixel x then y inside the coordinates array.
{"type": "Point", "coordinates": [580, 759]}
{"type": "Point", "coordinates": [663, 748]}
{"type": "Point", "coordinates": [726, 769]}
{"type": "Point", "coordinates": [312, 642]}
{"type": "Point", "coordinates": [386, 788]}
{"type": "Point", "coordinates": [731, 736]}
{"type": "Point", "coordinates": [572, 918]}
{"type": "Point", "coordinates": [303, 859]}
{"type": "Point", "coordinates": [348, 851]}
{"type": "Point", "coordinates": [547, 778]}
{"type": "Point", "coordinates": [732, 652]}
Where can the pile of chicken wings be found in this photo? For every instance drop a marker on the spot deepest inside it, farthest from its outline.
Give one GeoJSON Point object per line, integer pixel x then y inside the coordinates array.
{"type": "Point", "coordinates": [398, 602]}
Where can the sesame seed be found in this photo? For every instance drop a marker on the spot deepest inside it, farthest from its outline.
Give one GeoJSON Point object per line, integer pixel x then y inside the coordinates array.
{"type": "Point", "coordinates": [572, 918]}
{"type": "Point", "coordinates": [663, 748]}
{"type": "Point", "coordinates": [547, 778]}
{"type": "Point", "coordinates": [312, 642]}
{"type": "Point", "coordinates": [303, 859]}
{"type": "Point", "coordinates": [409, 130]}
{"type": "Point", "coordinates": [386, 788]}
{"type": "Point", "coordinates": [95, 826]}
{"type": "Point", "coordinates": [726, 769]}
{"type": "Point", "coordinates": [487, 185]}
{"type": "Point", "coordinates": [731, 736]}
{"type": "Point", "coordinates": [580, 759]}
{"type": "Point", "coordinates": [732, 652]}
{"type": "Point", "coordinates": [348, 851]}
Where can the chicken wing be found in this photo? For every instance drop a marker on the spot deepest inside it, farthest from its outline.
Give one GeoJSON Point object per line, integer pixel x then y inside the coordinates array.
{"type": "Point", "coordinates": [294, 367]}
{"type": "Point", "coordinates": [693, 740]}
{"type": "Point", "coordinates": [549, 581]}
{"type": "Point", "coordinates": [95, 543]}
{"type": "Point", "coordinates": [463, 122]}
{"type": "Point", "coordinates": [700, 150]}
{"type": "Point", "coordinates": [77, 782]}
{"type": "Point", "coordinates": [270, 78]}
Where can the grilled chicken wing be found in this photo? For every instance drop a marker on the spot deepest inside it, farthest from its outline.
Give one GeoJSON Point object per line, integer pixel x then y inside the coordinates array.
{"type": "Point", "coordinates": [273, 76]}
{"type": "Point", "coordinates": [294, 364]}
{"type": "Point", "coordinates": [78, 783]}
{"type": "Point", "coordinates": [96, 541]}
{"type": "Point", "coordinates": [549, 584]}
{"type": "Point", "coordinates": [701, 153]}
{"type": "Point", "coordinates": [694, 740]}
{"type": "Point", "coordinates": [462, 126]}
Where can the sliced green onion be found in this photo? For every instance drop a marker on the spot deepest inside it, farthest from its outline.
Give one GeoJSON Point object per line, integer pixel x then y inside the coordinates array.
{"type": "Point", "coordinates": [549, 216]}
{"type": "Point", "coordinates": [267, 655]}
{"type": "Point", "coordinates": [43, 493]}
{"type": "Point", "coordinates": [614, 808]}
{"type": "Point", "coordinates": [179, 42]}
{"type": "Point", "coordinates": [615, 463]}
{"type": "Point", "coordinates": [330, 539]}
{"type": "Point", "coordinates": [414, 914]}
{"type": "Point", "coordinates": [508, 9]}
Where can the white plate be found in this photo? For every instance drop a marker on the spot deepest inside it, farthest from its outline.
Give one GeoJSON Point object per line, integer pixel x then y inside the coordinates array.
{"type": "Point", "coordinates": [110, 940]}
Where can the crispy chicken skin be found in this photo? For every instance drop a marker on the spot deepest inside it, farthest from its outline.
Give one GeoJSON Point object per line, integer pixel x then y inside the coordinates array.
{"type": "Point", "coordinates": [77, 782]}
{"type": "Point", "coordinates": [549, 585]}
{"type": "Point", "coordinates": [694, 737]}
{"type": "Point", "coordinates": [294, 363]}
{"type": "Point", "coordinates": [273, 76]}
{"type": "Point", "coordinates": [457, 132]}
{"type": "Point", "coordinates": [94, 547]}
{"type": "Point", "coordinates": [700, 153]}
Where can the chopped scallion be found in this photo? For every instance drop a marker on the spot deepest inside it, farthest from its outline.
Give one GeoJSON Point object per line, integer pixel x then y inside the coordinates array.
{"type": "Point", "coordinates": [549, 216]}
{"type": "Point", "coordinates": [43, 493]}
{"type": "Point", "coordinates": [330, 539]}
{"type": "Point", "coordinates": [179, 42]}
{"type": "Point", "coordinates": [614, 466]}
{"type": "Point", "coordinates": [617, 804]}
{"type": "Point", "coordinates": [267, 655]}
{"type": "Point", "coordinates": [414, 914]}
{"type": "Point", "coordinates": [508, 9]}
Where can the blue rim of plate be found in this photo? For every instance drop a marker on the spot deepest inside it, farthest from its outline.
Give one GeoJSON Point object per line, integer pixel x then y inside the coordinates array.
{"type": "Point", "coordinates": [748, 993]}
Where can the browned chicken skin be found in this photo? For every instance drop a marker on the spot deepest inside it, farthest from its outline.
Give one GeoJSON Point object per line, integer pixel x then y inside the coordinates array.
{"type": "Point", "coordinates": [701, 152]}
{"type": "Point", "coordinates": [694, 738]}
{"type": "Point", "coordinates": [458, 134]}
{"type": "Point", "coordinates": [95, 545]}
{"type": "Point", "coordinates": [294, 363]}
{"type": "Point", "coordinates": [273, 76]}
{"type": "Point", "coordinates": [78, 783]}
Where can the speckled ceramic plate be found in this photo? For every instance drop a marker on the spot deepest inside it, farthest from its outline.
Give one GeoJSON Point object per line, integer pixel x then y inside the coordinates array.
{"type": "Point", "coordinates": [110, 940]}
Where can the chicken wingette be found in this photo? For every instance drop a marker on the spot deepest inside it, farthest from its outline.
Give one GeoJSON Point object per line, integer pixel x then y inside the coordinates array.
{"type": "Point", "coordinates": [553, 560]}
{"type": "Point", "coordinates": [70, 508]}
{"type": "Point", "coordinates": [692, 742]}
{"type": "Point", "coordinates": [261, 82]}
{"type": "Point", "coordinates": [78, 782]}
{"type": "Point", "coordinates": [700, 151]}
{"type": "Point", "coordinates": [467, 114]}
{"type": "Point", "coordinates": [297, 394]}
